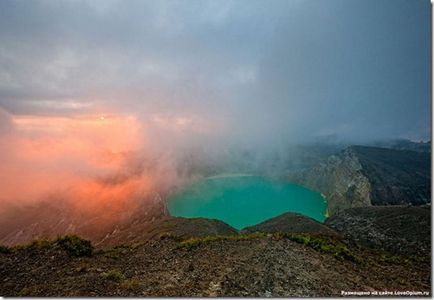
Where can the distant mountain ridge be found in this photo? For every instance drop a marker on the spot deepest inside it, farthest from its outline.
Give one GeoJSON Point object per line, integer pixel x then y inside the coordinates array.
{"type": "Point", "coordinates": [403, 144]}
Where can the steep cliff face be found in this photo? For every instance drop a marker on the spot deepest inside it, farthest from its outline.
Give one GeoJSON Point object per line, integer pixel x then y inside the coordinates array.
{"type": "Point", "coordinates": [340, 179]}
{"type": "Point", "coordinates": [363, 176]}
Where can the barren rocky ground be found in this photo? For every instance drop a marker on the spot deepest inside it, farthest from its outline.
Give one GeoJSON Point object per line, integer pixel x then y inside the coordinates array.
{"type": "Point", "coordinates": [258, 264]}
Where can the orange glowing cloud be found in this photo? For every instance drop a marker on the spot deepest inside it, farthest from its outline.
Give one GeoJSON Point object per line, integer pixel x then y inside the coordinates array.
{"type": "Point", "coordinates": [45, 155]}
{"type": "Point", "coordinates": [100, 167]}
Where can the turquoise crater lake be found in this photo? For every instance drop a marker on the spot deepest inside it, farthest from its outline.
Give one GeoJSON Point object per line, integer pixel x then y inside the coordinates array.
{"type": "Point", "coordinates": [242, 200]}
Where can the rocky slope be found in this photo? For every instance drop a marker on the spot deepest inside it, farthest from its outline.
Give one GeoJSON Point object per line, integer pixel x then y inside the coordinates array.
{"type": "Point", "coordinates": [363, 176]}
{"type": "Point", "coordinates": [291, 223]}
{"type": "Point", "coordinates": [49, 219]}
{"type": "Point", "coordinates": [280, 264]}
{"type": "Point", "coordinates": [261, 267]}
{"type": "Point", "coordinates": [168, 226]}
{"type": "Point", "coordinates": [397, 229]}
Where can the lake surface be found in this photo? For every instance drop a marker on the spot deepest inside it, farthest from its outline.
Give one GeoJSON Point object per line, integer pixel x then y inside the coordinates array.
{"type": "Point", "coordinates": [241, 201]}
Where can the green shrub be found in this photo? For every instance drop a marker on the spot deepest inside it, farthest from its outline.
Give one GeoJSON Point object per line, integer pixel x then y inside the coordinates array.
{"type": "Point", "coordinates": [114, 275]}
{"type": "Point", "coordinates": [75, 246]}
{"type": "Point", "coordinates": [5, 250]}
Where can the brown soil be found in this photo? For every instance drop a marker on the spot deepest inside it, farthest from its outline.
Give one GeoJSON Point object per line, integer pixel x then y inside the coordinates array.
{"type": "Point", "coordinates": [266, 265]}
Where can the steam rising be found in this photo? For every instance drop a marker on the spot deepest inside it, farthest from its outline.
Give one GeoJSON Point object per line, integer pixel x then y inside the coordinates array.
{"type": "Point", "coordinates": [87, 166]}
{"type": "Point", "coordinates": [106, 104]}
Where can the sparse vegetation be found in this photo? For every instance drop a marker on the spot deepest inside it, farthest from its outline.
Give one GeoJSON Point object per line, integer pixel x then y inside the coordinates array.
{"type": "Point", "coordinates": [325, 245]}
{"type": "Point", "coordinates": [132, 285]}
{"type": "Point", "coordinates": [169, 267]}
{"type": "Point", "coordinates": [194, 242]}
{"type": "Point", "coordinates": [75, 246]}
{"type": "Point", "coordinates": [320, 243]}
{"type": "Point", "coordinates": [114, 275]}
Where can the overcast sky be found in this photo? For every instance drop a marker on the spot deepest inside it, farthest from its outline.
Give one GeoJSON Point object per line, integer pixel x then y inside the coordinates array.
{"type": "Point", "coordinates": [268, 70]}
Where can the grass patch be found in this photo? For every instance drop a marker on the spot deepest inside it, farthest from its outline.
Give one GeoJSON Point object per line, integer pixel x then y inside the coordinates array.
{"type": "Point", "coordinates": [114, 275]}
{"type": "Point", "coordinates": [324, 244]}
{"type": "Point", "coordinates": [194, 242]}
{"type": "Point", "coordinates": [132, 285]}
{"type": "Point", "coordinates": [389, 258]}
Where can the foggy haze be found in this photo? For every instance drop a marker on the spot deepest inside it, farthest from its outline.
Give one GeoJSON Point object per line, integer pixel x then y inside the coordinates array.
{"type": "Point", "coordinates": [110, 101]}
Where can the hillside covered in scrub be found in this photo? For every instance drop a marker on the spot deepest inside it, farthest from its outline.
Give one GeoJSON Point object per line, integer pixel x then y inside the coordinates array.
{"type": "Point", "coordinates": [275, 258]}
